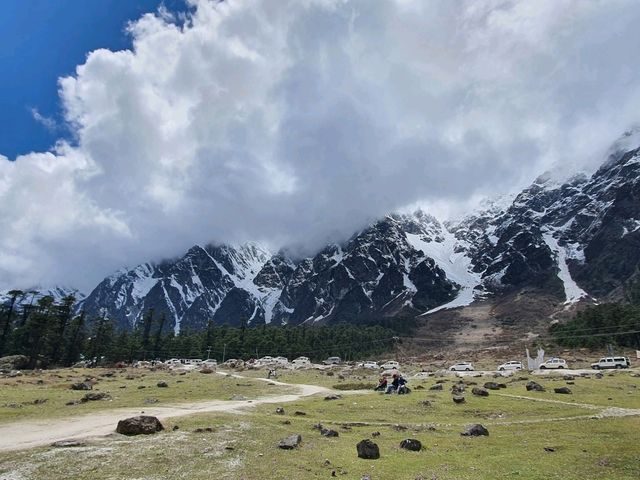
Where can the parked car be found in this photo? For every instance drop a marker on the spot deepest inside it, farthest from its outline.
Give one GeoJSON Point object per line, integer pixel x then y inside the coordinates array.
{"type": "Point", "coordinates": [332, 361]}
{"type": "Point", "coordinates": [281, 361]}
{"type": "Point", "coordinates": [390, 365]}
{"type": "Point", "coordinates": [233, 363]}
{"type": "Point", "coordinates": [611, 362]}
{"type": "Point", "coordinates": [267, 360]}
{"type": "Point", "coordinates": [554, 363]}
{"type": "Point", "coordinates": [301, 362]}
{"type": "Point", "coordinates": [512, 365]}
{"type": "Point", "coordinates": [210, 362]}
{"type": "Point", "coordinates": [369, 364]}
{"type": "Point", "coordinates": [462, 367]}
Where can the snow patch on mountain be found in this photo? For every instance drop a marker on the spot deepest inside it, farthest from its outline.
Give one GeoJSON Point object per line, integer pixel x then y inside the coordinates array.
{"type": "Point", "coordinates": [451, 256]}
{"type": "Point", "coordinates": [572, 291]}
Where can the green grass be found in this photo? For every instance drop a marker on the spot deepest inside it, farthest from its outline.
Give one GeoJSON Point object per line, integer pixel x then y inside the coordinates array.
{"type": "Point", "coordinates": [17, 395]}
{"type": "Point", "coordinates": [245, 446]}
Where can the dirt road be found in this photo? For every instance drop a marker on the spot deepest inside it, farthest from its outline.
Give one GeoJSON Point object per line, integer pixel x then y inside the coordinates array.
{"type": "Point", "coordinates": [29, 434]}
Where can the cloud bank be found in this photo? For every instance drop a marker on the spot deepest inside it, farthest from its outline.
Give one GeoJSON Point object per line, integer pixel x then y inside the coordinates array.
{"type": "Point", "coordinates": [296, 122]}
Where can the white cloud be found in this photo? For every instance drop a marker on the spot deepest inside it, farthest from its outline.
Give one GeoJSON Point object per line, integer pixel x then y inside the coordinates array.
{"type": "Point", "coordinates": [296, 122]}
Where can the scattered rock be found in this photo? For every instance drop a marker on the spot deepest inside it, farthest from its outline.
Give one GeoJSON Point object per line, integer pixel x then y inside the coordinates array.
{"type": "Point", "coordinates": [206, 370]}
{"type": "Point", "coordinates": [238, 397]}
{"type": "Point", "coordinates": [399, 428]}
{"type": "Point", "coordinates": [140, 425]}
{"type": "Point", "coordinates": [299, 414]}
{"type": "Point", "coordinates": [12, 405]}
{"type": "Point", "coordinates": [571, 383]}
{"type": "Point", "coordinates": [458, 389]}
{"type": "Point", "coordinates": [162, 384]}
{"type": "Point", "coordinates": [419, 387]}
{"type": "Point", "coordinates": [95, 396]}
{"type": "Point", "coordinates": [598, 375]}
{"type": "Point", "coordinates": [68, 443]}
{"type": "Point", "coordinates": [286, 422]}
{"type": "Point", "coordinates": [175, 427]}
{"type": "Point", "coordinates": [437, 386]}
{"type": "Point", "coordinates": [141, 387]}
{"type": "Point", "coordinates": [549, 449]}
{"type": "Point", "coordinates": [368, 450]}
{"type": "Point", "coordinates": [564, 390]}
{"type": "Point", "coordinates": [568, 377]}
{"type": "Point", "coordinates": [327, 432]}
{"type": "Point", "coordinates": [292, 441]}
{"type": "Point", "coordinates": [603, 462]}
{"type": "Point", "coordinates": [411, 444]}
{"type": "Point", "coordinates": [280, 411]}
{"type": "Point", "coordinates": [82, 386]}
{"type": "Point", "coordinates": [425, 403]}
{"type": "Point", "coordinates": [72, 402]}
{"type": "Point", "coordinates": [492, 386]}
{"type": "Point", "coordinates": [375, 434]}
{"type": "Point", "coordinates": [334, 396]}
{"type": "Point", "coordinates": [150, 401]}
{"type": "Point", "coordinates": [458, 399]}
{"type": "Point", "coordinates": [535, 387]}
{"type": "Point", "coordinates": [475, 431]}
{"type": "Point", "coordinates": [480, 392]}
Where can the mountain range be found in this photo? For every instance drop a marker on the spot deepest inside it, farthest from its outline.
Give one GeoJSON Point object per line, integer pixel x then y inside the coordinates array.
{"type": "Point", "coordinates": [573, 240]}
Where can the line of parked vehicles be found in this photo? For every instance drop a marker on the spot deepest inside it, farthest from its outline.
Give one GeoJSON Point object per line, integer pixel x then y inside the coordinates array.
{"type": "Point", "coordinates": [552, 363]}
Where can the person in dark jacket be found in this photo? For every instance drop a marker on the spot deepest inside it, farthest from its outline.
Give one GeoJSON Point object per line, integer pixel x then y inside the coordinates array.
{"type": "Point", "coordinates": [393, 387]}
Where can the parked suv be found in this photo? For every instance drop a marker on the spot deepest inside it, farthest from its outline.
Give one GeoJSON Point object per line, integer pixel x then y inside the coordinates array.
{"type": "Point", "coordinates": [461, 367]}
{"type": "Point", "coordinates": [554, 363]}
{"type": "Point", "coordinates": [332, 361]}
{"type": "Point", "coordinates": [611, 362]}
{"type": "Point", "coordinates": [513, 365]}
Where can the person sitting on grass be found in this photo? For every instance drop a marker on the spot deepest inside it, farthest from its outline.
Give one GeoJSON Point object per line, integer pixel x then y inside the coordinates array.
{"type": "Point", "coordinates": [393, 388]}
{"type": "Point", "coordinates": [402, 385]}
{"type": "Point", "coordinates": [382, 385]}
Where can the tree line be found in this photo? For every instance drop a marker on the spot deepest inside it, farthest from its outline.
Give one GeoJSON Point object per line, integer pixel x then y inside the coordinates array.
{"type": "Point", "coordinates": [51, 333]}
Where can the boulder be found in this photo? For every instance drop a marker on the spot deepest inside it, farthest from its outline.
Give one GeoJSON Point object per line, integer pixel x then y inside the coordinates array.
{"type": "Point", "coordinates": [140, 425]}
{"type": "Point", "coordinates": [492, 386]}
{"type": "Point", "coordinates": [411, 444]}
{"type": "Point", "coordinates": [458, 388]}
{"type": "Point", "coordinates": [327, 432]}
{"type": "Point", "coordinates": [458, 399]}
{"type": "Point", "coordinates": [437, 386]}
{"type": "Point", "coordinates": [533, 386]}
{"type": "Point", "coordinates": [480, 392]}
{"type": "Point", "coordinates": [68, 443]}
{"type": "Point", "coordinates": [82, 386]}
{"type": "Point", "coordinates": [475, 431]}
{"type": "Point", "coordinates": [291, 442]}
{"type": "Point", "coordinates": [162, 384]}
{"type": "Point", "coordinates": [564, 390]}
{"type": "Point", "coordinates": [333, 397]}
{"type": "Point", "coordinates": [368, 450]}
{"type": "Point", "coordinates": [280, 411]}
{"type": "Point", "coordinates": [94, 396]}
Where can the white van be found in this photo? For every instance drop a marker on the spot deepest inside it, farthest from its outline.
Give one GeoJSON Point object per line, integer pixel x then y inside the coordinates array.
{"type": "Point", "coordinates": [301, 362]}
{"type": "Point", "coordinates": [611, 362]}
{"type": "Point", "coordinates": [390, 365]}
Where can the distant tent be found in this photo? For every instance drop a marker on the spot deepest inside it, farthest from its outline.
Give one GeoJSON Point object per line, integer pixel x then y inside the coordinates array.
{"type": "Point", "coordinates": [637, 353]}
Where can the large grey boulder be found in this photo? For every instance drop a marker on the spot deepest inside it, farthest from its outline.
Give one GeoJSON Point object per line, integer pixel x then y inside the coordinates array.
{"type": "Point", "coordinates": [480, 392]}
{"type": "Point", "coordinates": [475, 431]}
{"type": "Point", "coordinates": [564, 390]}
{"type": "Point", "coordinates": [140, 425]}
{"type": "Point", "coordinates": [14, 362]}
{"type": "Point", "coordinates": [411, 444]}
{"type": "Point", "coordinates": [368, 450]}
{"type": "Point", "coordinates": [535, 387]}
{"type": "Point", "coordinates": [291, 442]}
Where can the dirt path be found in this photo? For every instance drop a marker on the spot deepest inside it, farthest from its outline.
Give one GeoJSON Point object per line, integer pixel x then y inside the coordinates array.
{"type": "Point", "coordinates": [29, 434]}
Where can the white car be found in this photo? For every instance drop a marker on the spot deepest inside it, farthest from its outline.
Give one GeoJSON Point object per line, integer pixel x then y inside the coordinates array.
{"type": "Point", "coordinates": [369, 364]}
{"type": "Point", "coordinates": [264, 361]}
{"type": "Point", "coordinates": [461, 367]}
{"type": "Point", "coordinates": [281, 361]}
{"type": "Point", "coordinates": [332, 361]}
{"type": "Point", "coordinates": [390, 365]}
{"type": "Point", "coordinates": [512, 365]}
{"type": "Point", "coordinates": [301, 362]}
{"type": "Point", "coordinates": [210, 362]}
{"type": "Point", "coordinates": [554, 363]}
{"type": "Point", "coordinates": [611, 362]}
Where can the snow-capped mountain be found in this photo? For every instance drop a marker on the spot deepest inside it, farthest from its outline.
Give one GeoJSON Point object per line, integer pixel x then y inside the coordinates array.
{"type": "Point", "coordinates": [572, 240]}
{"type": "Point", "coordinates": [30, 296]}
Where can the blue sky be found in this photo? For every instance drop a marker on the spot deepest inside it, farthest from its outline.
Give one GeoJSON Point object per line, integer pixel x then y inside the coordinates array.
{"type": "Point", "coordinates": [42, 40]}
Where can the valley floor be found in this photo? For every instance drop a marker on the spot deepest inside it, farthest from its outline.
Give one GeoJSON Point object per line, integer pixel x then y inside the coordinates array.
{"type": "Point", "coordinates": [589, 433]}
